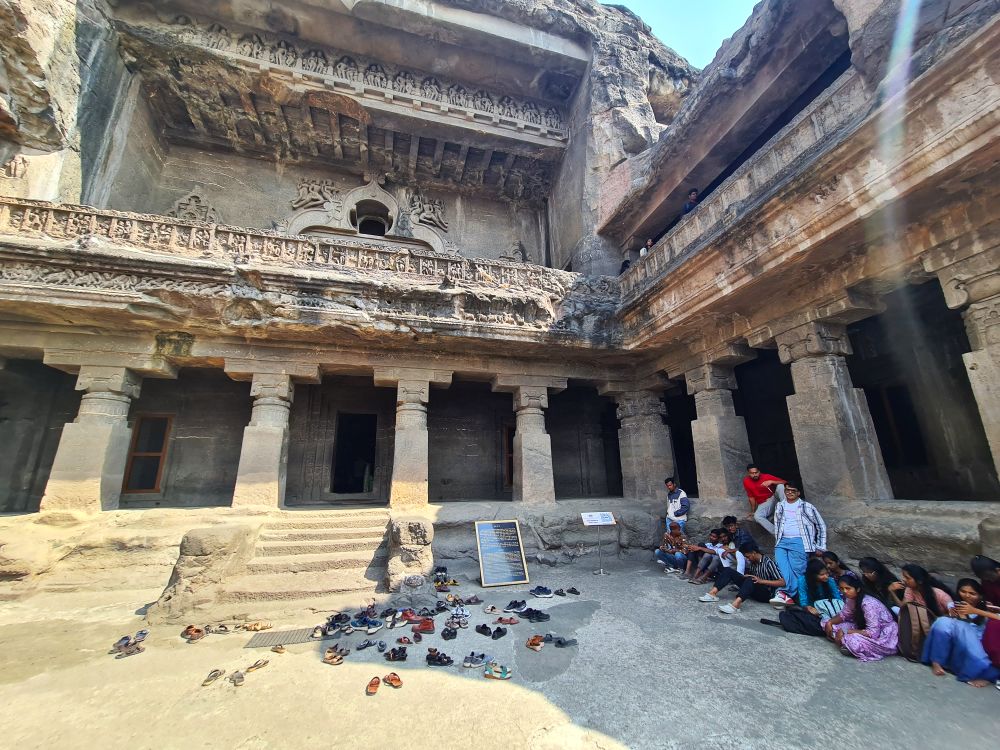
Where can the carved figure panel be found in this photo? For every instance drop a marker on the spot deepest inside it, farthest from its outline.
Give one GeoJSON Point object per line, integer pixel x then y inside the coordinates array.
{"type": "Point", "coordinates": [195, 207]}
{"type": "Point", "coordinates": [427, 211]}
{"type": "Point", "coordinates": [319, 194]}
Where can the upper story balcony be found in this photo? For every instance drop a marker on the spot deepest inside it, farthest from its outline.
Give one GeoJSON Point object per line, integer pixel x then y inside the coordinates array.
{"type": "Point", "coordinates": [828, 121]}
{"type": "Point", "coordinates": [115, 270]}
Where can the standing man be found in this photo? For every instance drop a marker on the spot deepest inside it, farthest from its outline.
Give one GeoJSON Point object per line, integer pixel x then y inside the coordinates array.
{"type": "Point", "coordinates": [760, 492]}
{"type": "Point", "coordinates": [678, 504]}
{"type": "Point", "coordinates": [692, 201]}
{"type": "Point", "coordinates": [799, 531]}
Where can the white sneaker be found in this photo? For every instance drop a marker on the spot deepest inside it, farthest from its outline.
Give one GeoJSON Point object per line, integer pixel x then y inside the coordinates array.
{"type": "Point", "coordinates": [780, 600]}
{"type": "Point", "coordinates": [728, 609]}
{"type": "Point", "coordinates": [708, 598]}
{"type": "Point", "coordinates": [661, 562]}
{"type": "Point", "coordinates": [670, 570]}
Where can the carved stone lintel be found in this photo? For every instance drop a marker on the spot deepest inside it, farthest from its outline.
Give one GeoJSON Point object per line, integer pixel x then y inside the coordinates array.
{"type": "Point", "coordinates": [816, 339]}
{"type": "Point", "coordinates": [195, 207]}
{"type": "Point", "coordinates": [639, 405]}
{"type": "Point", "coordinates": [105, 379]}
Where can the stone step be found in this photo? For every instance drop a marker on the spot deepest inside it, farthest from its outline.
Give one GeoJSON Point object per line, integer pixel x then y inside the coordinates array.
{"type": "Point", "coordinates": [294, 587]}
{"type": "Point", "coordinates": [334, 522]}
{"type": "Point", "coordinates": [271, 548]}
{"type": "Point", "coordinates": [315, 535]}
{"type": "Point", "coordinates": [318, 562]}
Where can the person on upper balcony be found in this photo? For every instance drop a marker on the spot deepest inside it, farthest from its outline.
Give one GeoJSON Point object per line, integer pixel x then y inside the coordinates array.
{"type": "Point", "coordinates": [646, 249]}
{"type": "Point", "coordinates": [692, 201]}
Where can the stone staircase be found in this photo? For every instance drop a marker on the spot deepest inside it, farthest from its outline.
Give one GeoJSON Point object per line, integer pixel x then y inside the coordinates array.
{"type": "Point", "coordinates": [305, 556]}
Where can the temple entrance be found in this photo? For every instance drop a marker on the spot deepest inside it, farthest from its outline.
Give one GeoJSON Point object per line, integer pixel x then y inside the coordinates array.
{"type": "Point", "coordinates": [586, 461]}
{"type": "Point", "coordinates": [353, 469]}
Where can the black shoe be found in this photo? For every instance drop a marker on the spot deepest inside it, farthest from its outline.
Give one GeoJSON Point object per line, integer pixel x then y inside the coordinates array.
{"type": "Point", "coordinates": [573, 591]}
{"type": "Point", "coordinates": [773, 623]}
{"type": "Point", "coordinates": [517, 605]}
{"type": "Point", "coordinates": [440, 570]}
{"type": "Point", "coordinates": [537, 616]}
{"type": "Point", "coordinates": [449, 634]}
{"type": "Point", "coordinates": [484, 630]}
{"type": "Point", "coordinates": [424, 612]}
{"type": "Point", "coordinates": [541, 592]}
{"type": "Point", "coordinates": [442, 606]}
{"type": "Point", "coordinates": [559, 592]}
{"type": "Point", "coordinates": [499, 633]}
{"type": "Point", "coordinates": [387, 613]}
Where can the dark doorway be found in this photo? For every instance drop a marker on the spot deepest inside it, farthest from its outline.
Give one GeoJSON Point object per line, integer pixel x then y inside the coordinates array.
{"type": "Point", "coordinates": [354, 454]}
{"type": "Point", "coordinates": [909, 362]}
{"type": "Point", "coordinates": [373, 227]}
{"type": "Point", "coordinates": [681, 413]}
{"type": "Point", "coordinates": [764, 384]}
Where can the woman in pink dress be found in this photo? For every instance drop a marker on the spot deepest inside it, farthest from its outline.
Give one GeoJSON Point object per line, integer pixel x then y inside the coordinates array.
{"type": "Point", "coordinates": [864, 628]}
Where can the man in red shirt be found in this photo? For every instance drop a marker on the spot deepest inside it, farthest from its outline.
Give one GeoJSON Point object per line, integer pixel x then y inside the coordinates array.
{"type": "Point", "coordinates": [760, 492]}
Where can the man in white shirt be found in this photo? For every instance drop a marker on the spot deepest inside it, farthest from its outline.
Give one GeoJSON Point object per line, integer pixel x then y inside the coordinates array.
{"type": "Point", "coordinates": [799, 531]}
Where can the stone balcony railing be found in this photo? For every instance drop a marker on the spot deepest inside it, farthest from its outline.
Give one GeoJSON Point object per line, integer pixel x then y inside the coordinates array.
{"type": "Point", "coordinates": [826, 122]}
{"type": "Point", "coordinates": [402, 277]}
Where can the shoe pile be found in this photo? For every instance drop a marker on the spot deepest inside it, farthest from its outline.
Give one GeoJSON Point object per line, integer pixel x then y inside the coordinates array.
{"type": "Point", "coordinates": [442, 582]}
{"type": "Point", "coordinates": [132, 645]}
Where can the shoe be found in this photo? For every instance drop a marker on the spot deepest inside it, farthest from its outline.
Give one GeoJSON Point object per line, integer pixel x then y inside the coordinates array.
{"type": "Point", "coordinates": [708, 598]}
{"type": "Point", "coordinates": [461, 612]}
{"type": "Point", "coordinates": [535, 615]}
{"type": "Point", "coordinates": [449, 634]}
{"type": "Point", "coordinates": [572, 590]}
{"type": "Point", "coordinates": [387, 613]}
{"type": "Point", "coordinates": [374, 626]}
{"type": "Point", "coordinates": [473, 600]}
{"type": "Point", "coordinates": [427, 612]}
{"type": "Point", "coordinates": [441, 607]}
{"type": "Point", "coordinates": [396, 654]}
{"type": "Point", "coordinates": [424, 626]}
{"type": "Point", "coordinates": [516, 606]}
{"type": "Point", "coordinates": [440, 570]}
{"type": "Point", "coordinates": [439, 659]}
{"type": "Point", "coordinates": [494, 671]}
{"type": "Point", "coordinates": [541, 592]}
{"type": "Point", "coordinates": [484, 630]}
{"type": "Point", "coordinates": [559, 592]}
{"type": "Point", "coordinates": [451, 582]}
{"type": "Point", "coordinates": [473, 660]}
{"type": "Point", "coordinates": [499, 633]}
{"type": "Point", "coordinates": [506, 621]}
{"type": "Point", "coordinates": [417, 637]}
{"type": "Point", "coordinates": [279, 649]}
{"type": "Point", "coordinates": [670, 571]}
{"type": "Point", "coordinates": [364, 644]}
{"type": "Point", "coordinates": [381, 647]}
{"type": "Point", "coordinates": [728, 609]}
{"type": "Point", "coordinates": [781, 600]}
{"type": "Point", "coordinates": [535, 643]}
{"type": "Point", "coordinates": [404, 641]}
{"type": "Point", "coordinates": [441, 588]}
{"type": "Point", "coordinates": [661, 562]}
{"type": "Point", "coordinates": [491, 610]}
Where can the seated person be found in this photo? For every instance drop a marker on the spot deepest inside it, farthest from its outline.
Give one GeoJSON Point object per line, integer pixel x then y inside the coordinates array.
{"type": "Point", "coordinates": [955, 643]}
{"type": "Point", "coordinates": [865, 627]}
{"type": "Point", "coordinates": [737, 534]}
{"type": "Point", "coordinates": [672, 554]}
{"type": "Point", "coordinates": [761, 580]}
{"type": "Point", "coordinates": [678, 504]}
{"type": "Point", "coordinates": [922, 588]}
{"type": "Point", "coordinates": [703, 560]}
{"type": "Point", "coordinates": [817, 597]}
{"type": "Point", "coordinates": [987, 570]}
{"type": "Point", "coordinates": [876, 579]}
{"type": "Point", "coordinates": [834, 565]}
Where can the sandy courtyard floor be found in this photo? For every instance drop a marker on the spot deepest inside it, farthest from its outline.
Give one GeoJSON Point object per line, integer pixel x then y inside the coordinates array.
{"type": "Point", "coordinates": [654, 669]}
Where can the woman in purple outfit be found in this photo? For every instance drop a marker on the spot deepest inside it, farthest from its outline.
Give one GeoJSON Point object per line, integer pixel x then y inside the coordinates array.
{"type": "Point", "coordinates": [864, 628]}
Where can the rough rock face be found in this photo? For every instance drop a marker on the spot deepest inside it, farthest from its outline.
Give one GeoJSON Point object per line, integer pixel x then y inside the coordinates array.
{"type": "Point", "coordinates": [410, 550]}
{"type": "Point", "coordinates": [207, 557]}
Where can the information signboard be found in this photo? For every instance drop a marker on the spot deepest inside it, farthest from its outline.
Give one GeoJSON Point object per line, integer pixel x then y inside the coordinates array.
{"type": "Point", "coordinates": [601, 518]}
{"type": "Point", "coordinates": [501, 555]}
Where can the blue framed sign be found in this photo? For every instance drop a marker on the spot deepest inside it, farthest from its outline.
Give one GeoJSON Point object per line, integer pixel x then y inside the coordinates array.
{"type": "Point", "coordinates": [501, 554]}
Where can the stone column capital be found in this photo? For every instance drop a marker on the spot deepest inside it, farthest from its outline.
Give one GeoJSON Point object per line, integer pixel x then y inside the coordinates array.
{"type": "Point", "coordinates": [813, 339]}
{"type": "Point", "coordinates": [982, 323]}
{"type": "Point", "coordinates": [710, 377]}
{"type": "Point", "coordinates": [413, 392]}
{"type": "Point", "coordinates": [531, 397]}
{"type": "Point", "coordinates": [106, 379]}
{"type": "Point", "coordinates": [266, 385]}
{"type": "Point", "coordinates": [966, 279]}
{"type": "Point", "coordinates": [639, 404]}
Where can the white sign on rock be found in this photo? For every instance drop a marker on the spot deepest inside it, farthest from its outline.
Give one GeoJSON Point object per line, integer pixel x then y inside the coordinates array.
{"type": "Point", "coordinates": [600, 518]}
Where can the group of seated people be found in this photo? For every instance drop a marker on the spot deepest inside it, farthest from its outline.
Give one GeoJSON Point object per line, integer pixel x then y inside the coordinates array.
{"type": "Point", "coordinates": [868, 613]}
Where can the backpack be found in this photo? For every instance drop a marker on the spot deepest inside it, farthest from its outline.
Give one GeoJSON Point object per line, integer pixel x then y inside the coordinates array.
{"type": "Point", "coordinates": [915, 622]}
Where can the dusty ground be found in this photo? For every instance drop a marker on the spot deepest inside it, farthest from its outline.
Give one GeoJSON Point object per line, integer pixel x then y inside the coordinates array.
{"type": "Point", "coordinates": [654, 669]}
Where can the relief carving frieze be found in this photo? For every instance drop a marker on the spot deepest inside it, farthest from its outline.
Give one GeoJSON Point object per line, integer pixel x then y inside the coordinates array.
{"type": "Point", "coordinates": [392, 274]}
{"type": "Point", "coordinates": [194, 207]}
{"type": "Point", "coordinates": [427, 211]}
{"type": "Point", "coordinates": [319, 194]}
{"type": "Point", "coordinates": [372, 74]}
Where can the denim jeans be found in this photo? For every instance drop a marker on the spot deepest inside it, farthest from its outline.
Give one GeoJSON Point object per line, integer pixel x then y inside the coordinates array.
{"type": "Point", "coordinates": [672, 559]}
{"type": "Point", "coordinates": [791, 558]}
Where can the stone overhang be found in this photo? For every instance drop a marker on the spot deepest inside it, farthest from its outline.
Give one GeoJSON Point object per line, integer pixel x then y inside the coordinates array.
{"type": "Point", "coordinates": [856, 218]}
{"type": "Point", "coordinates": [119, 271]}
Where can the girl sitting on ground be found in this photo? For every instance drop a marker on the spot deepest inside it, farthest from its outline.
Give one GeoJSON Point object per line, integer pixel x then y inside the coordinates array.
{"type": "Point", "coordinates": [955, 644]}
{"type": "Point", "coordinates": [876, 579]}
{"type": "Point", "coordinates": [922, 588]}
{"type": "Point", "coordinates": [817, 597]}
{"type": "Point", "coordinates": [864, 628]}
{"type": "Point", "coordinates": [834, 566]}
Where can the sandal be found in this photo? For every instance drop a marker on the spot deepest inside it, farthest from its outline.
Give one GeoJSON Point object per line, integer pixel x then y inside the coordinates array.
{"type": "Point", "coordinates": [449, 634]}
{"type": "Point", "coordinates": [499, 633]}
{"type": "Point", "coordinates": [279, 649]}
{"type": "Point", "coordinates": [404, 641]}
{"type": "Point", "coordinates": [396, 654]}
{"type": "Point", "coordinates": [364, 644]}
{"type": "Point", "coordinates": [318, 632]}
{"type": "Point", "coordinates": [381, 646]}
{"type": "Point", "coordinates": [491, 610]}
{"type": "Point", "coordinates": [259, 664]}
{"type": "Point", "coordinates": [140, 636]}
{"type": "Point", "coordinates": [237, 678]}
{"type": "Point", "coordinates": [122, 643]}
{"type": "Point", "coordinates": [373, 686]}
{"type": "Point", "coordinates": [212, 677]}
{"type": "Point", "coordinates": [507, 621]}
{"type": "Point", "coordinates": [494, 671]}
{"type": "Point", "coordinates": [535, 643]}
{"type": "Point", "coordinates": [473, 600]}
{"type": "Point", "coordinates": [196, 634]}
{"type": "Point", "coordinates": [130, 650]}
{"type": "Point", "coordinates": [565, 642]}
{"type": "Point", "coordinates": [436, 658]}
{"type": "Point", "coordinates": [392, 680]}
{"type": "Point", "coordinates": [573, 591]}
{"type": "Point", "coordinates": [332, 657]}
{"type": "Point", "coordinates": [258, 625]}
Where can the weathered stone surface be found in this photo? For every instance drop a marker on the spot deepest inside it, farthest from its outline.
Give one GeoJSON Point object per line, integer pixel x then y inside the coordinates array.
{"type": "Point", "coordinates": [411, 531]}
{"type": "Point", "coordinates": [207, 558]}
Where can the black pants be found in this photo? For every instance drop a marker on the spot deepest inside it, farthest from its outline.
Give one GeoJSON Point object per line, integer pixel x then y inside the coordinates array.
{"type": "Point", "coordinates": [748, 589]}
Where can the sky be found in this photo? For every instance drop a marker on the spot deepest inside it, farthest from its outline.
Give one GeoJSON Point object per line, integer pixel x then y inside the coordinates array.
{"type": "Point", "coordinates": [693, 28]}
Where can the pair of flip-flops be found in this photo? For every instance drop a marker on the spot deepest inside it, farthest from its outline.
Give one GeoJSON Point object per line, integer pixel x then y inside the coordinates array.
{"type": "Point", "coordinates": [238, 677]}
{"type": "Point", "coordinates": [129, 645]}
{"type": "Point", "coordinates": [559, 641]}
{"type": "Point", "coordinates": [380, 645]}
{"type": "Point", "coordinates": [392, 680]}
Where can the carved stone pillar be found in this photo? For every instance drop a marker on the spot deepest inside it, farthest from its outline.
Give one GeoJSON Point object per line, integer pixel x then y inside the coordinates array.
{"type": "Point", "coordinates": [533, 480]}
{"type": "Point", "coordinates": [721, 445]}
{"type": "Point", "coordinates": [89, 465]}
{"type": "Point", "coordinates": [410, 449]}
{"type": "Point", "coordinates": [972, 281]}
{"type": "Point", "coordinates": [835, 442]}
{"type": "Point", "coordinates": [262, 473]}
{"type": "Point", "coordinates": [647, 453]}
